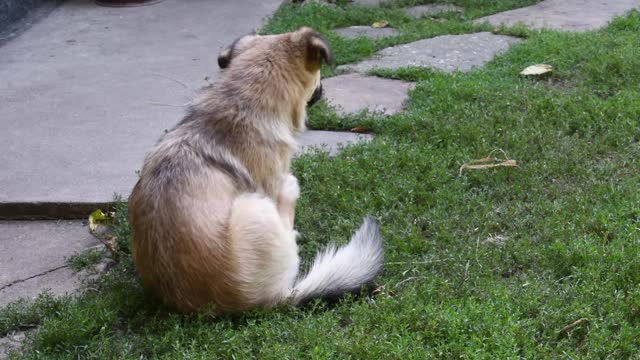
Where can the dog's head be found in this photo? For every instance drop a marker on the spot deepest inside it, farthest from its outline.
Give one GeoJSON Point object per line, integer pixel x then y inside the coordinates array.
{"type": "Point", "coordinates": [300, 53]}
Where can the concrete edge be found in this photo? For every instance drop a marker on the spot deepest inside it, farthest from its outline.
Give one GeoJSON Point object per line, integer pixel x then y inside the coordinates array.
{"type": "Point", "coordinates": [50, 210]}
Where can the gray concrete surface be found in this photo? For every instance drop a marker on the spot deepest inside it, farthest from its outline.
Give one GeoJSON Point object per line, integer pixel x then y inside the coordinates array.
{"type": "Point", "coordinates": [33, 257]}
{"type": "Point", "coordinates": [87, 90]}
{"type": "Point", "coordinates": [430, 9]}
{"type": "Point", "coordinates": [329, 141]}
{"type": "Point", "coordinates": [13, 10]}
{"type": "Point", "coordinates": [446, 53]}
{"type": "Point", "coordinates": [569, 15]}
{"type": "Point", "coordinates": [353, 32]}
{"type": "Point", "coordinates": [16, 16]}
{"type": "Point", "coordinates": [11, 343]}
{"type": "Point", "coordinates": [354, 92]}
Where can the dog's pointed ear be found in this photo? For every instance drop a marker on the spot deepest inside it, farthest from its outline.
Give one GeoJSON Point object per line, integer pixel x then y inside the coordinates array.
{"type": "Point", "coordinates": [237, 46]}
{"type": "Point", "coordinates": [317, 49]}
{"type": "Point", "coordinates": [224, 59]}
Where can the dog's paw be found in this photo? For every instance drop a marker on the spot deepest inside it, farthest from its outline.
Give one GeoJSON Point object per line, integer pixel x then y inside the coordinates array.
{"type": "Point", "coordinates": [290, 189]}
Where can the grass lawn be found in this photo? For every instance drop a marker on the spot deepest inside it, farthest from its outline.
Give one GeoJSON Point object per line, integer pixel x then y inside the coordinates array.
{"type": "Point", "coordinates": [538, 261]}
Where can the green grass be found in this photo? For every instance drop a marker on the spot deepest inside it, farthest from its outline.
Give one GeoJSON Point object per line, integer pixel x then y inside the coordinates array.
{"type": "Point", "coordinates": [569, 217]}
{"type": "Point", "coordinates": [86, 259]}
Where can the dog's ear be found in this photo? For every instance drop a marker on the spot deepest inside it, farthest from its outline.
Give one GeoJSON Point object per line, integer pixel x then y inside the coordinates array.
{"type": "Point", "coordinates": [317, 49]}
{"type": "Point", "coordinates": [224, 59]}
{"type": "Point", "coordinates": [239, 45]}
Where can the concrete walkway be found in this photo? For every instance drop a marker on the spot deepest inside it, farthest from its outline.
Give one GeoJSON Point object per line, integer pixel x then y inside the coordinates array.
{"type": "Point", "coordinates": [86, 91]}
{"type": "Point", "coordinates": [33, 257]}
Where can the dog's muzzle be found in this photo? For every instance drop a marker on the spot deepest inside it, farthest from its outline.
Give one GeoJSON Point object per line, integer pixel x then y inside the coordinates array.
{"type": "Point", "coordinates": [317, 95]}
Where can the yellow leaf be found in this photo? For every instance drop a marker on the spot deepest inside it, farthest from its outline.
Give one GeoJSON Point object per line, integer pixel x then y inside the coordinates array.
{"type": "Point", "coordinates": [380, 24]}
{"type": "Point", "coordinates": [95, 218]}
{"type": "Point", "coordinates": [537, 69]}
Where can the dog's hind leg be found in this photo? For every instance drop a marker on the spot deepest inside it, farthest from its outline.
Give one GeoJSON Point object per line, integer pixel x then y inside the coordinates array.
{"type": "Point", "coordinates": [265, 250]}
{"type": "Point", "coordinates": [287, 197]}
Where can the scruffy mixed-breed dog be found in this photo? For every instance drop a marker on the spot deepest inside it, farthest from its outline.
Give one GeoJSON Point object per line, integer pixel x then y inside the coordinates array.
{"type": "Point", "coordinates": [213, 211]}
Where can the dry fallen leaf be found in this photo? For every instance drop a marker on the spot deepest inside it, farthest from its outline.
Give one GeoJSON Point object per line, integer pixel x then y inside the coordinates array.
{"type": "Point", "coordinates": [538, 69]}
{"type": "Point", "coordinates": [111, 244]}
{"type": "Point", "coordinates": [488, 162]}
{"type": "Point", "coordinates": [380, 24]}
{"type": "Point", "coordinates": [564, 332]}
{"type": "Point", "coordinates": [359, 130]}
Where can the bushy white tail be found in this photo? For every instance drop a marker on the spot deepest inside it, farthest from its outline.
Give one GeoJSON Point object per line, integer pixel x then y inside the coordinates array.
{"type": "Point", "coordinates": [338, 271]}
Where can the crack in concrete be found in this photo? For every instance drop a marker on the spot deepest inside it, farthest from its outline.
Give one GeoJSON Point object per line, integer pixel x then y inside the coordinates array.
{"type": "Point", "coordinates": [33, 277]}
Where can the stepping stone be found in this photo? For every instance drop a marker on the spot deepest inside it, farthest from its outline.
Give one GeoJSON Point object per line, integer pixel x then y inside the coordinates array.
{"type": "Point", "coordinates": [430, 9]}
{"type": "Point", "coordinates": [569, 15]}
{"type": "Point", "coordinates": [308, 2]}
{"type": "Point", "coordinates": [33, 257]}
{"type": "Point", "coordinates": [447, 53]}
{"type": "Point", "coordinates": [354, 92]}
{"type": "Point", "coordinates": [368, 2]}
{"type": "Point", "coordinates": [353, 32]}
{"type": "Point", "coordinates": [330, 141]}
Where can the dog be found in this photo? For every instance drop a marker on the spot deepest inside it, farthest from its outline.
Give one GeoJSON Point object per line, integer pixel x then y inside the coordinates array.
{"type": "Point", "coordinates": [212, 214]}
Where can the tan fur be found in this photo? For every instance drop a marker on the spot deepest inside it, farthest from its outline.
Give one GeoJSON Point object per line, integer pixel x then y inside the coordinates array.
{"type": "Point", "coordinates": [212, 213]}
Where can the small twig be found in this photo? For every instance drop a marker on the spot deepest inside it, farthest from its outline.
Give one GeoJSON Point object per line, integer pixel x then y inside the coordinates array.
{"type": "Point", "coordinates": [507, 163]}
{"type": "Point", "coordinates": [466, 270]}
{"type": "Point", "coordinates": [418, 262]}
{"type": "Point", "coordinates": [172, 79]}
{"type": "Point", "coordinates": [408, 279]}
{"type": "Point", "coordinates": [161, 104]}
{"type": "Point", "coordinates": [564, 332]}
{"type": "Point", "coordinates": [506, 157]}
{"type": "Point", "coordinates": [23, 327]}
{"type": "Point", "coordinates": [488, 162]}
{"type": "Point", "coordinates": [564, 278]}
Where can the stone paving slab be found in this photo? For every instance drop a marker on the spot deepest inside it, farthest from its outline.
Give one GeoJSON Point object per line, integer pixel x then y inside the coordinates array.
{"type": "Point", "coordinates": [80, 91]}
{"type": "Point", "coordinates": [447, 53]}
{"type": "Point", "coordinates": [329, 141]}
{"type": "Point", "coordinates": [569, 15]}
{"type": "Point", "coordinates": [11, 343]}
{"type": "Point", "coordinates": [58, 282]}
{"type": "Point", "coordinates": [353, 32]}
{"type": "Point", "coordinates": [33, 257]}
{"type": "Point", "coordinates": [368, 2]}
{"type": "Point", "coordinates": [430, 9]}
{"type": "Point", "coordinates": [354, 92]}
